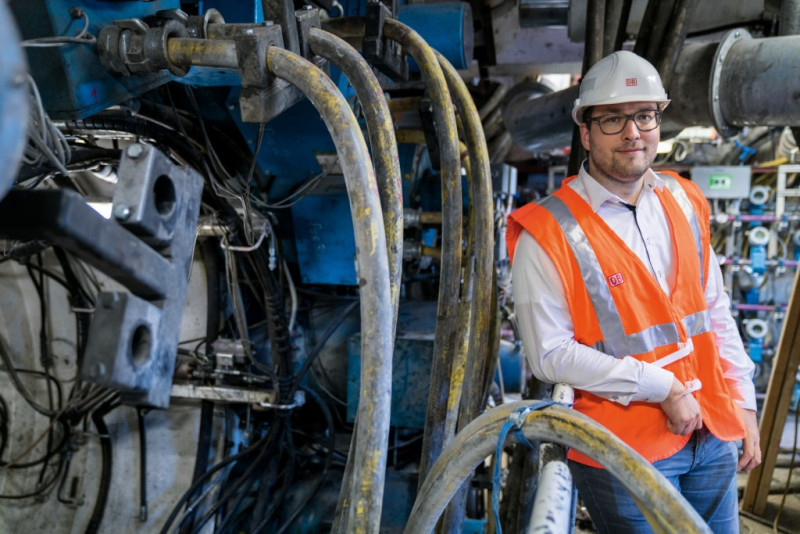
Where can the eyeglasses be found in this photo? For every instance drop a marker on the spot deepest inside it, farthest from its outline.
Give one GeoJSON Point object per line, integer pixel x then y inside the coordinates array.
{"type": "Point", "coordinates": [614, 124]}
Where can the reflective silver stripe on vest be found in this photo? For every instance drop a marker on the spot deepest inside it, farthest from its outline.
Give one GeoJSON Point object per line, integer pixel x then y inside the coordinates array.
{"type": "Point", "coordinates": [697, 323]}
{"type": "Point", "coordinates": [686, 207]}
{"type": "Point", "coordinates": [615, 342]}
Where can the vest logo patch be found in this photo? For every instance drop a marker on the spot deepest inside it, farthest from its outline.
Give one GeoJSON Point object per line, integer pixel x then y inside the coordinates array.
{"type": "Point", "coordinates": [631, 82]}
{"type": "Point", "coordinates": [615, 279]}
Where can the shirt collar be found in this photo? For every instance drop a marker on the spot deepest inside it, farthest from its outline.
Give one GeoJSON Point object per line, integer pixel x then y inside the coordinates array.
{"type": "Point", "coordinates": [595, 194]}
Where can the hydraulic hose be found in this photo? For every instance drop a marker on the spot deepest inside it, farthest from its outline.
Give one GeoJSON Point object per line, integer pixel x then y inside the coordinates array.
{"type": "Point", "coordinates": [467, 378]}
{"type": "Point", "coordinates": [664, 507]}
{"type": "Point", "coordinates": [383, 142]}
{"type": "Point", "coordinates": [106, 466]}
{"type": "Point", "coordinates": [444, 345]}
{"type": "Point", "coordinates": [363, 490]}
{"type": "Point", "coordinates": [480, 245]}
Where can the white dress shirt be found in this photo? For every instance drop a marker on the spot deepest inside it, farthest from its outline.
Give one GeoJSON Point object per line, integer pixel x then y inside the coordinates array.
{"type": "Point", "coordinates": [546, 325]}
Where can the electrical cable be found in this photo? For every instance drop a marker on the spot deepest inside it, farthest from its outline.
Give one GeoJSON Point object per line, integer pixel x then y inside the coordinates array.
{"type": "Point", "coordinates": [140, 413]}
{"type": "Point", "coordinates": [106, 465]}
{"type": "Point", "coordinates": [325, 468]}
{"type": "Point", "coordinates": [320, 344]}
{"type": "Point", "coordinates": [45, 141]}
{"type": "Point", "coordinates": [233, 488]}
{"type": "Point", "coordinates": [202, 480]}
{"type": "Point", "coordinates": [5, 356]}
{"type": "Point", "coordinates": [83, 36]}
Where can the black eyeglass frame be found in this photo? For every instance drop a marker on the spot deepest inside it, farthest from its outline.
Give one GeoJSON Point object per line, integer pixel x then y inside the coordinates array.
{"type": "Point", "coordinates": [630, 117]}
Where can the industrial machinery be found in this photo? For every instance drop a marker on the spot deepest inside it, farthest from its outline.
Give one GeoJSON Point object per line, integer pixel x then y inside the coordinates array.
{"type": "Point", "coordinates": [254, 275]}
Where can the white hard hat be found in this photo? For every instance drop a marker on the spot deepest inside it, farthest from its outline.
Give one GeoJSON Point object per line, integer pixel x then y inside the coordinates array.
{"type": "Point", "coordinates": [618, 78]}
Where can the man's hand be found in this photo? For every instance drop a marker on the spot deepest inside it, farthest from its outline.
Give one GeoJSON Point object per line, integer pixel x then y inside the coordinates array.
{"type": "Point", "coordinates": [682, 410]}
{"type": "Point", "coordinates": [751, 445]}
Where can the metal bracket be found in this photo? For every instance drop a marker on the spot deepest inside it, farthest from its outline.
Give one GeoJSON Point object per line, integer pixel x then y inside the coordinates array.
{"type": "Point", "coordinates": [385, 55]}
{"type": "Point", "coordinates": [307, 18]}
{"type": "Point", "coordinates": [133, 338]}
{"type": "Point", "coordinates": [263, 95]}
{"type": "Point", "coordinates": [133, 342]}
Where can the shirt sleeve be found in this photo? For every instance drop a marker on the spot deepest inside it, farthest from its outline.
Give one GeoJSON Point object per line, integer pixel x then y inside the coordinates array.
{"type": "Point", "coordinates": [548, 337]}
{"type": "Point", "coordinates": [738, 367]}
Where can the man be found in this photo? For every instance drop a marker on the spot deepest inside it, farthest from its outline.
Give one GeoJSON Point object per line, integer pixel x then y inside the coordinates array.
{"type": "Point", "coordinates": [618, 293]}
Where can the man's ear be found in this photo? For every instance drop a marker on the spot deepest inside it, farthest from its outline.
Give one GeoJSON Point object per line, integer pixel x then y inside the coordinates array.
{"type": "Point", "coordinates": [584, 136]}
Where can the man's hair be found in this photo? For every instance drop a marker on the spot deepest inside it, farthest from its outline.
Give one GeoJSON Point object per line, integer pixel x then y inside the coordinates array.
{"type": "Point", "coordinates": [586, 115]}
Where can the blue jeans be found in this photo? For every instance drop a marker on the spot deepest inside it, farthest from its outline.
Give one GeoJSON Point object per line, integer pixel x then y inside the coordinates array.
{"type": "Point", "coordinates": [704, 471]}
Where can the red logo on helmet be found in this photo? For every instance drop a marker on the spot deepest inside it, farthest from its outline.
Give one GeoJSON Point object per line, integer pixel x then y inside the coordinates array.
{"type": "Point", "coordinates": [615, 279]}
{"type": "Point", "coordinates": [631, 82]}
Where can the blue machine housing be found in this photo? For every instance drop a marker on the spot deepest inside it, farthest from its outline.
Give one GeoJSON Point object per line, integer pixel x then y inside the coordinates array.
{"type": "Point", "coordinates": [72, 81]}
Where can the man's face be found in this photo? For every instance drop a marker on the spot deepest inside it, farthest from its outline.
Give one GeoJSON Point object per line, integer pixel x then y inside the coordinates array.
{"type": "Point", "coordinates": [623, 157]}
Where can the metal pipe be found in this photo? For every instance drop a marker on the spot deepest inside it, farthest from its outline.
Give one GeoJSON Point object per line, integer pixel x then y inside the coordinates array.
{"type": "Point", "coordinates": [402, 104]}
{"type": "Point", "coordinates": [593, 52]}
{"type": "Point", "coordinates": [217, 53]}
{"type": "Point", "coordinates": [383, 142]}
{"type": "Point", "coordinates": [444, 345]}
{"type": "Point", "coordinates": [553, 507]}
{"type": "Point", "coordinates": [661, 503]}
{"type": "Point", "coordinates": [758, 82]}
{"type": "Point", "coordinates": [595, 25]}
{"type": "Point", "coordinates": [496, 98]}
{"type": "Point", "coordinates": [542, 123]}
{"type": "Point", "coordinates": [673, 42]}
{"type": "Point", "coordinates": [622, 27]}
{"type": "Point", "coordinates": [657, 29]}
{"type": "Point", "coordinates": [614, 18]}
{"type": "Point", "coordinates": [371, 442]}
{"type": "Point", "coordinates": [648, 19]}
{"type": "Point", "coordinates": [789, 21]}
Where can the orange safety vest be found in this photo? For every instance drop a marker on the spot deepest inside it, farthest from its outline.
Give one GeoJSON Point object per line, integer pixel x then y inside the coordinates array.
{"type": "Point", "coordinates": [618, 307]}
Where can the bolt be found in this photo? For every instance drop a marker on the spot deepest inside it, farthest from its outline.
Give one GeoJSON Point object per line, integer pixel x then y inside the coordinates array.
{"type": "Point", "coordinates": [18, 80]}
{"type": "Point", "coordinates": [134, 151]}
{"type": "Point", "coordinates": [736, 34]}
{"type": "Point", "coordinates": [122, 212]}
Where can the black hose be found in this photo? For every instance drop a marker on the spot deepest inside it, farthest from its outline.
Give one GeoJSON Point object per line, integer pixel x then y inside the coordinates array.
{"type": "Point", "coordinates": [106, 464]}
{"type": "Point", "coordinates": [140, 412]}
{"type": "Point", "coordinates": [320, 344]}
{"type": "Point", "coordinates": [4, 418]}
{"type": "Point", "coordinates": [243, 481]}
{"type": "Point", "coordinates": [139, 127]}
{"type": "Point", "coordinates": [326, 412]}
{"type": "Point", "coordinates": [188, 494]}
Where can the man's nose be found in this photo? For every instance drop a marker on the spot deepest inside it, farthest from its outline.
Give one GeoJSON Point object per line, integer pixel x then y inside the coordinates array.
{"type": "Point", "coordinates": [630, 131]}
